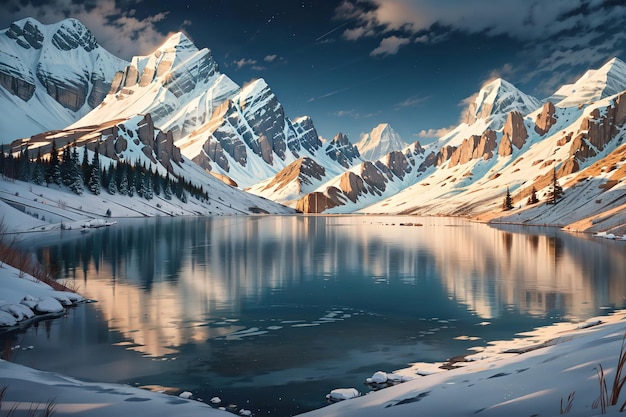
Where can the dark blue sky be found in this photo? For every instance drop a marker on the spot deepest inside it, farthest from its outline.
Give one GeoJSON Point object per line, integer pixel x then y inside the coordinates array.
{"type": "Point", "coordinates": [351, 64]}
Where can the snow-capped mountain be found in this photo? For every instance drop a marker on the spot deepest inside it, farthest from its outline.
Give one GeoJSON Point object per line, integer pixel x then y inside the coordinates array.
{"type": "Point", "coordinates": [379, 142]}
{"type": "Point", "coordinates": [594, 85]}
{"type": "Point", "coordinates": [240, 134]}
{"type": "Point", "coordinates": [50, 76]}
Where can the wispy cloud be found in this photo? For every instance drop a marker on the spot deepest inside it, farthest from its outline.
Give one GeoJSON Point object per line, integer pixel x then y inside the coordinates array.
{"type": "Point", "coordinates": [434, 133]}
{"type": "Point", "coordinates": [390, 46]}
{"type": "Point", "coordinates": [270, 58]}
{"type": "Point", "coordinates": [243, 62]}
{"type": "Point", "coordinates": [555, 35]}
{"type": "Point", "coordinates": [354, 114]}
{"type": "Point", "coordinates": [117, 28]}
{"type": "Point", "coordinates": [411, 102]}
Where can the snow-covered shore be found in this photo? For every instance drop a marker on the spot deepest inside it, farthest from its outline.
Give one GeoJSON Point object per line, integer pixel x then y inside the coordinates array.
{"type": "Point", "coordinates": [23, 298]}
{"type": "Point", "coordinates": [540, 374]}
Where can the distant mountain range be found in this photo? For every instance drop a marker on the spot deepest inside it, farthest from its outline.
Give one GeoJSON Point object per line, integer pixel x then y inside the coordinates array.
{"type": "Point", "coordinates": [56, 77]}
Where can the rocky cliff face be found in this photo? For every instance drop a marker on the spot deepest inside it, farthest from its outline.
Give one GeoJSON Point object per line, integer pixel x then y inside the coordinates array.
{"type": "Point", "coordinates": [252, 126]}
{"type": "Point", "coordinates": [598, 129]}
{"type": "Point", "coordinates": [112, 141]}
{"type": "Point", "coordinates": [474, 147]}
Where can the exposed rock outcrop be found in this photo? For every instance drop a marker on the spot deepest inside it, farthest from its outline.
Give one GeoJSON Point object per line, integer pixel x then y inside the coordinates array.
{"type": "Point", "coordinates": [301, 171]}
{"type": "Point", "coordinates": [398, 164]}
{"type": "Point", "coordinates": [429, 161]}
{"type": "Point", "coordinates": [341, 150]}
{"type": "Point", "coordinates": [315, 202]}
{"type": "Point", "coordinates": [473, 148]}
{"type": "Point", "coordinates": [505, 148]}
{"type": "Point", "coordinates": [545, 119]}
{"type": "Point", "coordinates": [305, 130]}
{"type": "Point", "coordinates": [602, 128]}
{"type": "Point", "coordinates": [373, 178]}
{"type": "Point", "coordinates": [69, 63]}
{"type": "Point", "coordinates": [515, 130]}
{"type": "Point", "coordinates": [444, 154]}
{"type": "Point", "coordinates": [28, 36]}
{"type": "Point", "coordinates": [15, 85]}
{"type": "Point", "coordinates": [351, 185]}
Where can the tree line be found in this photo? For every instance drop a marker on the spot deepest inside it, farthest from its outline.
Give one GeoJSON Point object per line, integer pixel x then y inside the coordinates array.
{"type": "Point", "coordinates": [119, 177]}
{"type": "Point", "coordinates": [555, 193]}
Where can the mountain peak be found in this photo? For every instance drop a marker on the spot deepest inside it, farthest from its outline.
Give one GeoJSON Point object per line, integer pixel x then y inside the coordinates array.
{"type": "Point", "coordinates": [178, 41]}
{"type": "Point", "coordinates": [379, 142]}
{"type": "Point", "coordinates": [593, 85]}
{"type": "Point", "coordinates": [498, 98]}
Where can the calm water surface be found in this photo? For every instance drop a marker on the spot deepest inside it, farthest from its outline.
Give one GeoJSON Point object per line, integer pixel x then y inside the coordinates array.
{"type": "Point", "coordinates": [271, 313]}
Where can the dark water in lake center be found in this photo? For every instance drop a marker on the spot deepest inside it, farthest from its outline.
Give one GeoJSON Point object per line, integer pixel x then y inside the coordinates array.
{"type": "Point", "coordinates": [271, 313]}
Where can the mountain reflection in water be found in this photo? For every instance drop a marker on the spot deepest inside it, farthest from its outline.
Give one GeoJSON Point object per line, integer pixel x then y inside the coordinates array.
{"type": "Point", "coordinates": [270, 308]}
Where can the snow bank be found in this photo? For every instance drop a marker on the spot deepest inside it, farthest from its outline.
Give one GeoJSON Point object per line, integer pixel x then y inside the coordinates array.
{"type": "Point", "coordinates": [610, 236]}
{"type": "Point", "coordinates": [22, 297]}
{"type": "Point", "coordinates": [72, 397]}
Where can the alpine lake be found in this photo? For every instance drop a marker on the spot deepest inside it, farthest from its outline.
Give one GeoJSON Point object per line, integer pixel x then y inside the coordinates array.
{"type": "Point", "coordinates": [270, 313]}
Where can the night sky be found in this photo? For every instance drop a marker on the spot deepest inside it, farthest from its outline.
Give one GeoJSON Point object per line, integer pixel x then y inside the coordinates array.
{"type": "Point", "coordinates": [352, 64]}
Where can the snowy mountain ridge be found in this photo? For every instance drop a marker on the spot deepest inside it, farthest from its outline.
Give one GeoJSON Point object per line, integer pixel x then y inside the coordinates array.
{"type": "Point", "coordinates": [468, 171]}
{"type": "Point", "coordinates": [242, 135]}
{"type": "Point", "coordinates": [593, 85]}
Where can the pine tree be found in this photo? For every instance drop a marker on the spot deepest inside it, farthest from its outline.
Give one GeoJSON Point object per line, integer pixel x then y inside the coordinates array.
{"type": "Point", "coordinates": [156, 182]}
{"type": "Point", "coordinates": [508, 201]}
{"type": "Point", "coordinates": [132, 189]}
{"type": "Point", "coordinates": [105, 176]}
{"type": "Point", "coordinates": [94, 175]}
{"type": "Point", "coordinates": [85, 167]}
{"type": "Point", "coordinates": [76, 177]}
{"type": "Point", "coordinates": [533, 197]}
{"type": "Point", "coordinates": [66, 166]}
{"type": "Point", "coordinates": [140, 179]}
{"type": "Point", "coordinates": [167, 188]}
{"type": "Point", "coordinates": [38, 171]}
{"type": "Point", "coordinates": [123, 179]}
{"type": "Point", "coordinates": [53, 173]}
{"type": "Point", "coordinates": [112, 188]}
{"type": "Point", "coordinates": [556, 191]}
{"type": "Point", "coordinates": [24, 166]}
{"type": "Point", "coordinates": [148, 193]}
{"type": "Point", "coordinates": [2, 159]}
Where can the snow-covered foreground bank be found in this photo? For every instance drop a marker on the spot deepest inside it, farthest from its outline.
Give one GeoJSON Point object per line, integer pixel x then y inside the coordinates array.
{"type": "Point", "coordinates": [534, 375]}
